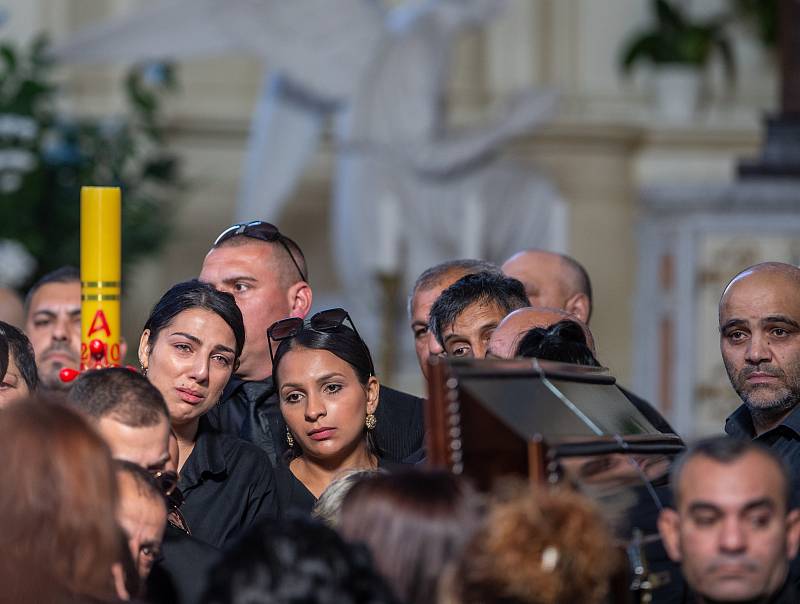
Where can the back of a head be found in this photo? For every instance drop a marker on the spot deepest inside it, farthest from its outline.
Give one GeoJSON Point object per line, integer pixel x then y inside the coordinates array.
{"type": "Point", "coordinates": [536, 547]}
{"type": "Point", "coordinates": [564, 342]}
{"type": "Point", "coordinates": [414, 523]}
{"type": "Point", "coordinates": [122, 394]}
{"type": "Point", "coordinates": [328, 507]}
{"type": "Point", "coordinates": [57, 524]}
{"type": "Point", "coordinates": [21, 351]}
{"type": "Point", "coordinates": [295, 561]}
{"type": "Point", "coordinates": [486, 288]}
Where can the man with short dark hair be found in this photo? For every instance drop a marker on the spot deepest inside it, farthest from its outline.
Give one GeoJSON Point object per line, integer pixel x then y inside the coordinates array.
{"type": "Point", "coordinates": [427, 288]}
{"type": "Point", "coordinates": [553, 280]}
{"type": "Point", "coordinates": [53, 324]}
{"type": "Point", "coordinates": [132, 417]}
{"type": "Point", "coordinates": [466, 313]}
{"type": "Point", "coordinates": [731, 526]}
{"type": "Point", "coordinates": [128, 411]}
{"type": "Point", "coordinates": [266, 273]}
{"type": "Point", "coordinates": [20, 378]}
{"type": "Point", "coordinates": [759, 324]}
{"type": "Point", "coordinates": [142, 514]}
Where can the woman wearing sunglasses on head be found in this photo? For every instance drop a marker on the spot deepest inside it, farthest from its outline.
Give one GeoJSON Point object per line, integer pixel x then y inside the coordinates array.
{"type": "Point", "coordinates": [189, 348]}
{"type": "Point", "coordinates": [328, 395]}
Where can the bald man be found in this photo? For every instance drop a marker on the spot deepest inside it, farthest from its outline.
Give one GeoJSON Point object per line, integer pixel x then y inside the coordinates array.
{"type": "Point", "coordinates": [553, 281]}
{"type": "Point", "coordinates": [759, 326]}
{"type": "Point", "coordinates": [505, 339]}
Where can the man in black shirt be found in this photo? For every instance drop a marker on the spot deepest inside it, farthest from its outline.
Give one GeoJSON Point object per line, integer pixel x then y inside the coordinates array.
{"type": "Point", "coordinates": [731, 526]}
{"type": "Point", "coordinates": [267, 274]}
{"type": "Point", "coordinates": [759, 323]}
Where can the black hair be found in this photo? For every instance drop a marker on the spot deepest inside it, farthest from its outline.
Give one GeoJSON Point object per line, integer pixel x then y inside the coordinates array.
{"type": "Point", "coordinates": [340, 341]}
{"type": "Point", "coordinates": [294, 561]}
{"type": "Point", "coordinates": [120, 393]}
{"type": "Point", "coordinates": [21, 351]}
{"type": "Point", "coordinates": [145, 483]}
{"type": "Point", "coordinates": [435, 274]}
{"type": "Point", "coordinates": [727, 450]}
{"type": "Point", "coordinates": [564, 341]}
{"type": "Point", "coordinates": [484, 288]}
{"type": "Point", "coordinates": [196, 294]}
{"type": "Point", "coordinates": [64, 274]}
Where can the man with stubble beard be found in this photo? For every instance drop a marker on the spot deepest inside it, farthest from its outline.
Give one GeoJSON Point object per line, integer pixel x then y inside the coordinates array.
{"type": "Point", "coordinates": [53, 325]}
{"type": "Point", "coordinates": [759, 323]}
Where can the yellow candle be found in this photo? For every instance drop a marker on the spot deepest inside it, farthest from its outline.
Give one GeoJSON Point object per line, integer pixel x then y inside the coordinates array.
{"type": "Point", "coordinates": [101, 271]}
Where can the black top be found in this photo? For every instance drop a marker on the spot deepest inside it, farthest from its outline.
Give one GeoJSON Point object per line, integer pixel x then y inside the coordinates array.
{"type": "Point", "coordinates": [250, 410]}
{"type": "Point", "coordinates": [228, 485]}
{"type": "Point", "coordinates": [787, 595]}
{"type": "Point", "coordinates": [180, 576]}
{"type": "Point", "coordinates": [296, 500]}
{"type": "Point", "coordinates": [784, 439]}
{"type": "Point", "coordinates": [651, 413]}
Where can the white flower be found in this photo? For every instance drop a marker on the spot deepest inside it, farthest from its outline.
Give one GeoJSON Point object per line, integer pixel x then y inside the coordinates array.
{"type": "Point", "coordinates": [16, 263]}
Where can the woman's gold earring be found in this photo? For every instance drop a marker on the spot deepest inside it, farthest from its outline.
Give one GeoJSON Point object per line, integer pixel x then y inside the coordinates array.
{"type": "Point", "coordinates": [370, 421]}
{"type": "Point", "coordinates": [144, 369]}
{"type": "Point", "coordinates": [289, 438]}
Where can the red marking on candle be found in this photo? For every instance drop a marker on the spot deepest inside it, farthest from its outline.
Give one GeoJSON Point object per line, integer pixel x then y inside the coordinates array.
{"type": "Point", "coordinates": [99, 323]}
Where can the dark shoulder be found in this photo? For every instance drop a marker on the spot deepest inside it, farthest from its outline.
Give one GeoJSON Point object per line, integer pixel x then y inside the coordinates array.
{"type": "Point", "coordinates": [393, 467]}
{"type": "Point", "coordinates": [396, 397]}
{"type": "Point", "coordinates": [241, 454]}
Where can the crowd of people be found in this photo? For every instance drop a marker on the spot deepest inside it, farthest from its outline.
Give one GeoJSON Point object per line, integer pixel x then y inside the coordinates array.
{"type": "Point", "coordinates": [257, 457]}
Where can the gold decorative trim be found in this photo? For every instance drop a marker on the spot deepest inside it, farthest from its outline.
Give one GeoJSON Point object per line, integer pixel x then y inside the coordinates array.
{"type": "Point", "coordinates": [99, 297]}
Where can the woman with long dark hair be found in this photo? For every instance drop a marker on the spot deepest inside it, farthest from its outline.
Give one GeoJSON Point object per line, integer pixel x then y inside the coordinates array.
{"type": "Point", "coordinates": [189, 349]}
{"type": "Point", "coordinates": [328, 395]}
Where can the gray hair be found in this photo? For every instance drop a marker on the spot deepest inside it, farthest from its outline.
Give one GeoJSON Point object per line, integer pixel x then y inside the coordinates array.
{"type": "Point", "coordinates": [329, 505]}
{"type": "Point", "coordinates": [434, 274]}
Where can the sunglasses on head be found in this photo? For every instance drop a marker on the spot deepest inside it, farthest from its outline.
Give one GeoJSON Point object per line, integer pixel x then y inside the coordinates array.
{"type": "Point", "coordinates": [167, 481]}
{"type": "Point", "coordinates": [325, 320]}
{"type": "Point", "coordinates": [263, 231]}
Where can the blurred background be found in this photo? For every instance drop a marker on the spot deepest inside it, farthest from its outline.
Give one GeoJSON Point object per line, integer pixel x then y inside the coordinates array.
{"type": "Point", "coordinates": [658, 102]}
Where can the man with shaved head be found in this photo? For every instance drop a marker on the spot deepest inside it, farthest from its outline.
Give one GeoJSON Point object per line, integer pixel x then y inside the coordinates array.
{"type": "Point", "coordinates": [553, 280]}
{"type": "Point", "coordinates": [505, 339]}
{"type": "Point", "coordinates": [759, 325]}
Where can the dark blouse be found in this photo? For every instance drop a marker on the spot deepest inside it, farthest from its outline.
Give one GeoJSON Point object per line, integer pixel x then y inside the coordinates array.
{"type": "Point", "coordinates": [296, 500]}
{"type": "Point", "coordinates": [228, 485]}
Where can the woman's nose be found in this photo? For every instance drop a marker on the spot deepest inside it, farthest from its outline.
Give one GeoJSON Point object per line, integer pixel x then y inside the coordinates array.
{"type": "Point", "coordinates": [315, 408]}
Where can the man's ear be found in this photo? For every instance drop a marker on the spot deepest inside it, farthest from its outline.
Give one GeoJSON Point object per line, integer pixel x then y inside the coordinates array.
{"type": "Point", "coordinates": [144, 348]}
{"type": "Point", "coordinates": [579, 305]}
{"type": "Point", "coordinates": [300, 298]}
{"type": "Point", "coordinates": [123, 348]}
{"type": "Point", "coordinates": [373, 394]}
{"type": "Point", "coordinates": [792, 533]}
{"type": "Point", "coordinates": [669, 524]}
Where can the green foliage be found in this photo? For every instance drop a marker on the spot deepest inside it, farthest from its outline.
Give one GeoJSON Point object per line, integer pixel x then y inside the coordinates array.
{"type": "Point", "coordinates": [762, 17]}
{"type": "Point", "coordinates": [675, 39]}
{"type": "Point", "coordinates": [46, 157]}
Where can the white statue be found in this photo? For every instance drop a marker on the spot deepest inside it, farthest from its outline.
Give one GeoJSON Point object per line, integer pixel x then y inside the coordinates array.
{"type": "Point", "coordinates": [403, 177]}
